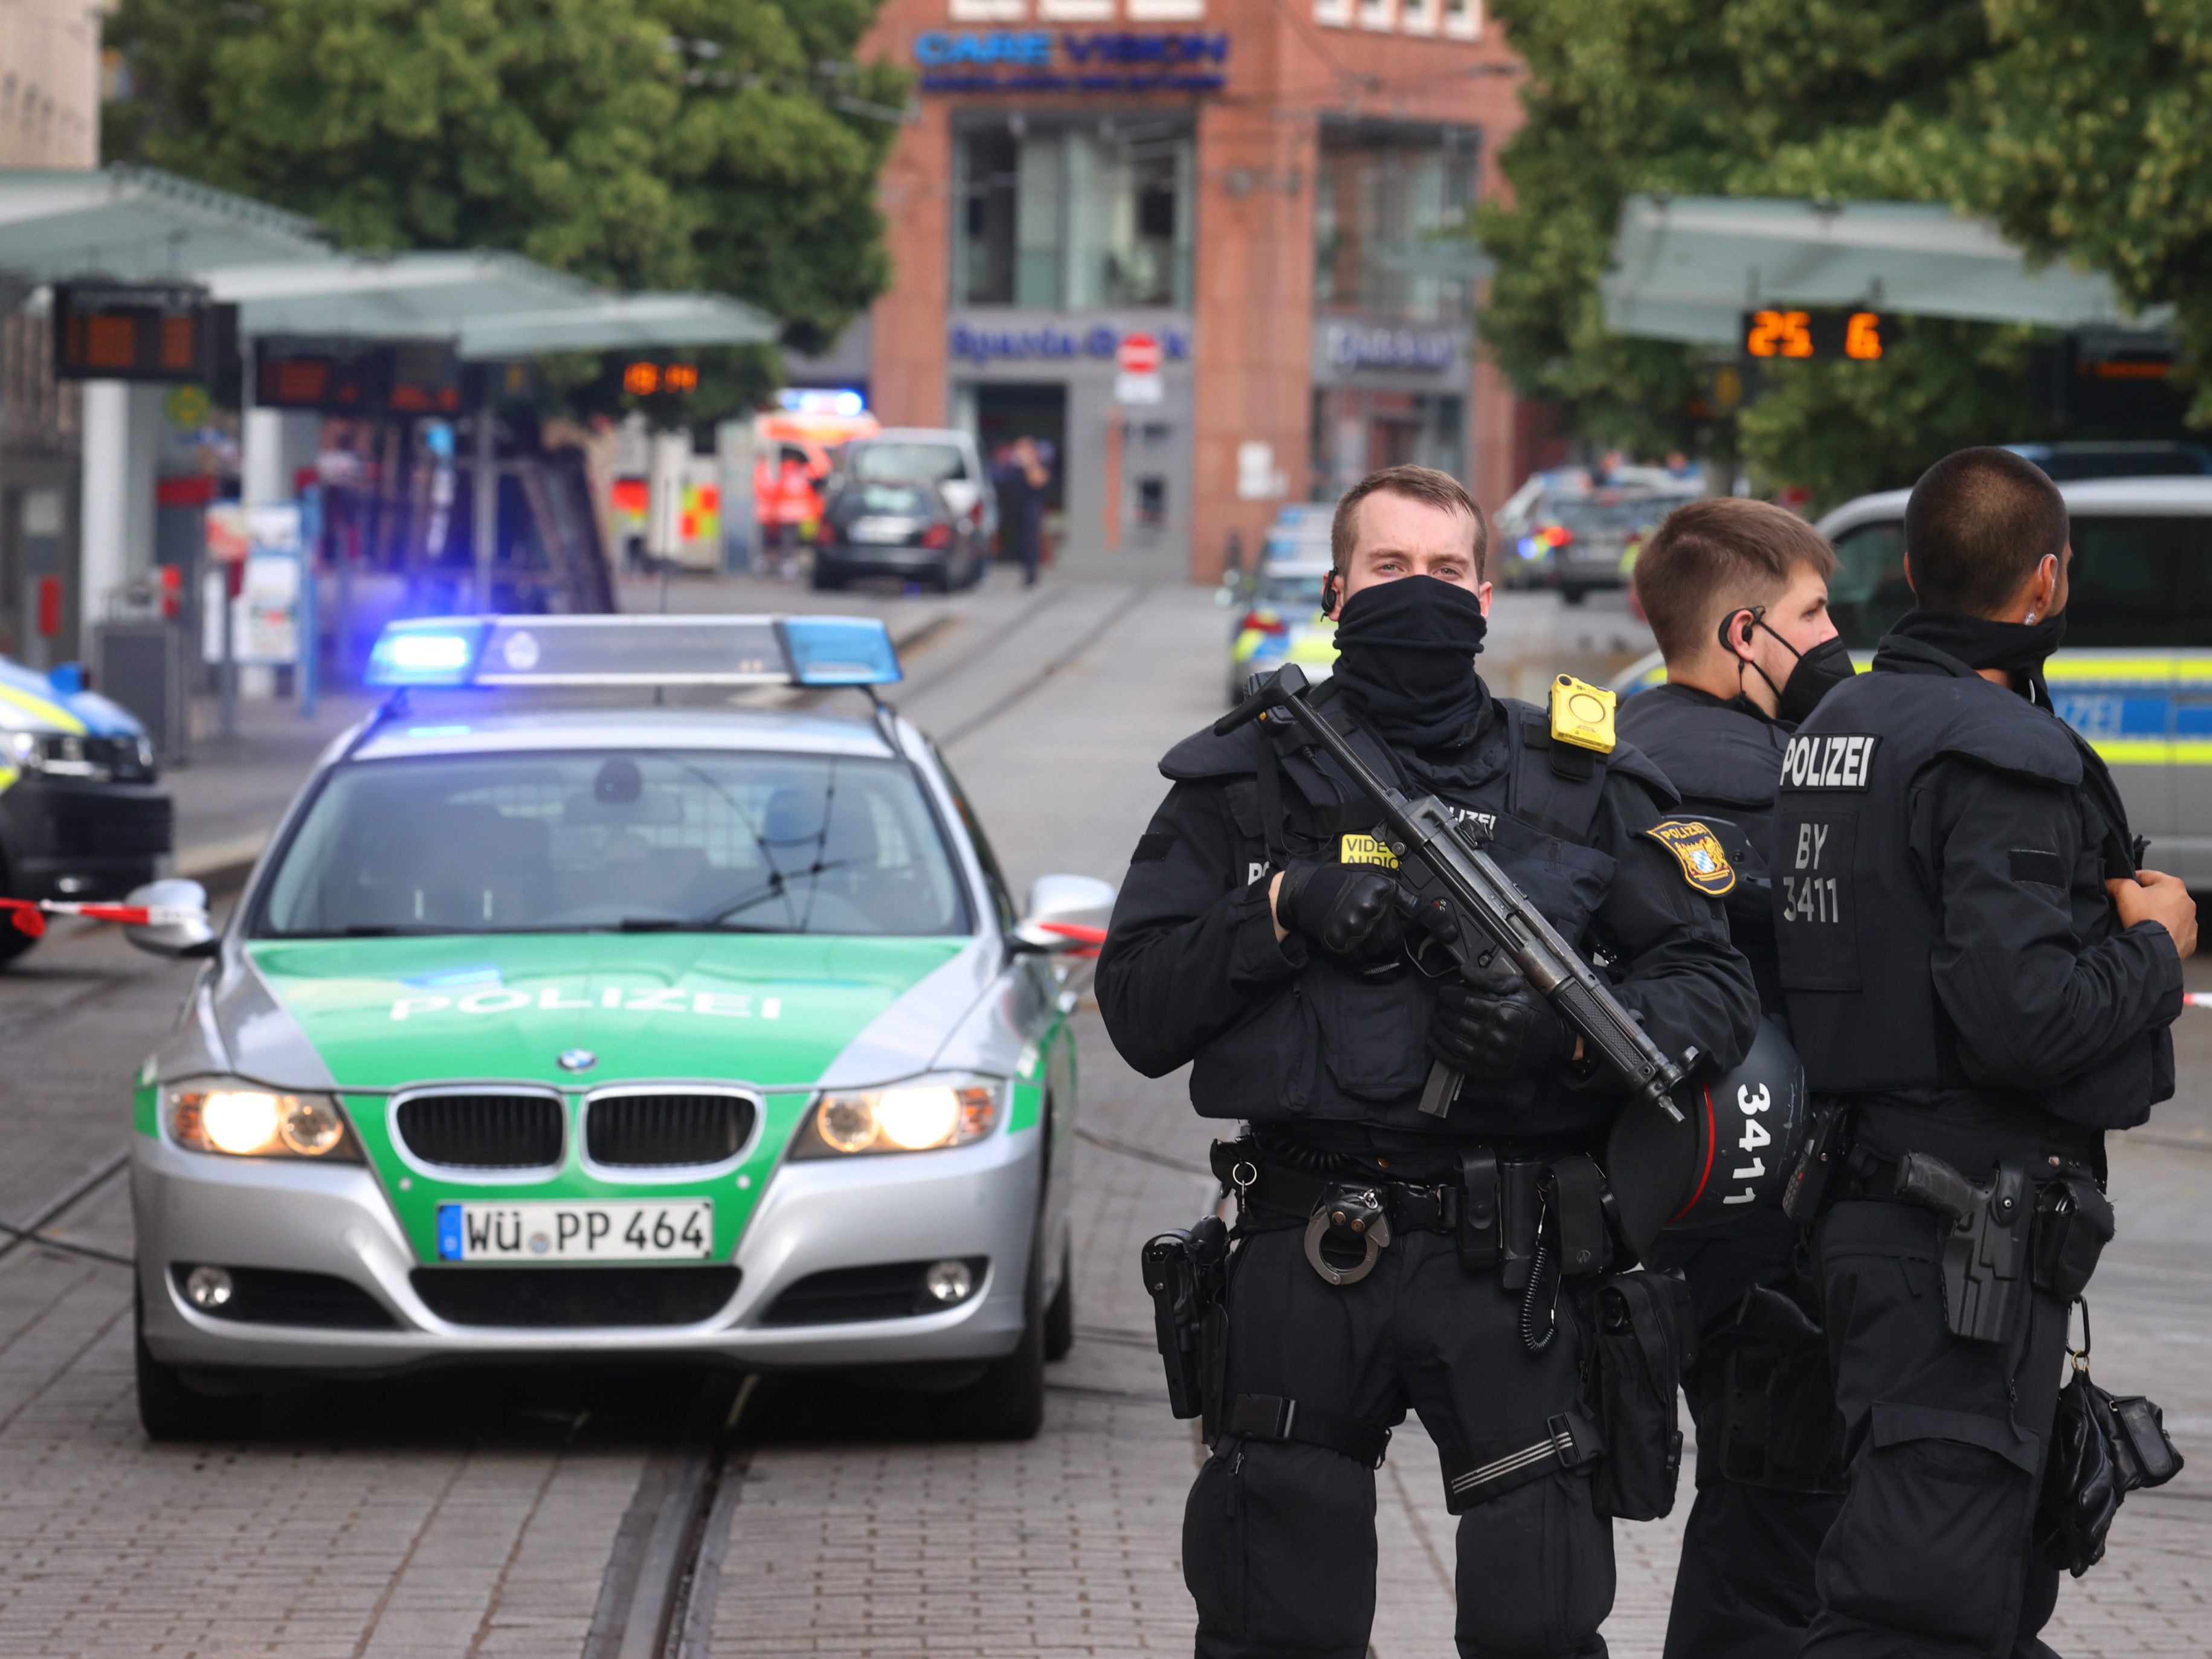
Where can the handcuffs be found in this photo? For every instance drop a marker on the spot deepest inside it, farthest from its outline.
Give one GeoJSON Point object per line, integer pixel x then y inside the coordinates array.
{"type": "Point", "coordinates": [1348, 1215]}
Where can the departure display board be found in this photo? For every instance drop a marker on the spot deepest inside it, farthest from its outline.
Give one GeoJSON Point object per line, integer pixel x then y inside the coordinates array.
{"type": "Point", "coordinates": [1803, 332]}
{"type": "Point", "coordinates": [158, 331]}
{"type": "Point", "coordinates": [347, 375]}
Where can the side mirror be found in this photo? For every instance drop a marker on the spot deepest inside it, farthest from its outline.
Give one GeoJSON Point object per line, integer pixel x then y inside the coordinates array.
{"type": "Point", "coordinates": [177, 925]}
{"type": "Point", "coordinates": [1066, 913]}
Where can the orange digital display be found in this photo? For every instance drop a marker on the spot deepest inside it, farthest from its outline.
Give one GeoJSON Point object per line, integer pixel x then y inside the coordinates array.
{"type": "Point", "coordinates": [139, 331]}
{"type": "Point", "coordinates": [1803, 333]}
{"type": "Point", "coordinates": [642, 380]}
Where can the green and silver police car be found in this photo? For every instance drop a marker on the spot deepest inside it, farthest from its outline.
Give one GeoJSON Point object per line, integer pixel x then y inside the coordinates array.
{"type": "Point", "coordinates": [563, 1021]}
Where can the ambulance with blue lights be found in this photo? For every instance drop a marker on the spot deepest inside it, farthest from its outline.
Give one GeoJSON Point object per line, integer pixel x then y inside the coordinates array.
{"type": "Point", "coordinates": [586, 1004]}
{"type": "Point", "coordinates": [2134, 675]}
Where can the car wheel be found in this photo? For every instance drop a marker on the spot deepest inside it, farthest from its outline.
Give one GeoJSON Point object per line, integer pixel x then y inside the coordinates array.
{"type": "Point", "coordinates": [170, 1409]}
{"type": "Point", "coordinates": [1572, 595]}
{"type": "Point", "coordinates": [1007, 1401]}
{"type": "Point", "coordinates": [1060, 1316]}
{"type": "Point", "coordinates": [826, 581]}
{"type": "Point", "coordinates": [12, 942]}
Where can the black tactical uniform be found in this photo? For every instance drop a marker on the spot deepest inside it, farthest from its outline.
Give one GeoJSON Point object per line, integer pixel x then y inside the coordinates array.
{"type": "Point", "coordinates": [1768, 1487]}
{"type": "Point", "coordinates": [1958, 985]}
{"type": "Point", "coordinates": [1327, 1064]}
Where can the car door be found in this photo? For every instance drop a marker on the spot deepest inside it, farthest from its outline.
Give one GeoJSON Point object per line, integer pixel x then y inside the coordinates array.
{"type": "Point", "coordinates": [2115, 679]}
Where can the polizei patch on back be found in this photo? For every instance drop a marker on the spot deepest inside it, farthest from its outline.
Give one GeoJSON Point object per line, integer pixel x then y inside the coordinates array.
{"type": "Point", "coordinates": [1698, 850]}
{"type": "Point", "coordinates": [1830, 760]}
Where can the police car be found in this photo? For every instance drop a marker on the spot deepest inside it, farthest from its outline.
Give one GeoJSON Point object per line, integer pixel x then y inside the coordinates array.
{"type": "Point", "coordinates": [1282, 622]}
{"type": "Point", "coordinates": [2134, 675]}
{"type": "Point", "coordinates": [562, 1020]}
{"type": "Point", "coordinates": [80, 816]}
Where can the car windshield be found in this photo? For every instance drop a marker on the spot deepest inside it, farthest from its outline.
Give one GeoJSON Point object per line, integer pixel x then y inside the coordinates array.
{"type": "Point", "coordinates": [912, 501]}
{"type": "Point", "coordinates": [905, 463]}
{"type": "Point", "coordinates": [1292, 593]}
{"type": "Point", "coordinates": [1595, 519]}
{"type": "Point", "coordinates": [2137, 580]}
{"type": "Point", "coordinates": [570, 842]}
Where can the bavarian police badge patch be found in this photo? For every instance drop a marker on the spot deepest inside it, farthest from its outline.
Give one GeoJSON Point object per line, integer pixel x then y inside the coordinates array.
{"type": "Point", "coordinates": [1698, 850]}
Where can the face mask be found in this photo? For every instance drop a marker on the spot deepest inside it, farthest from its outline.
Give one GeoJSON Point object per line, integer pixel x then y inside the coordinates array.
{"type": "Point", "coordinates": [1406, 656]}
{"type": "Point", "coordinates": [1818, 672]}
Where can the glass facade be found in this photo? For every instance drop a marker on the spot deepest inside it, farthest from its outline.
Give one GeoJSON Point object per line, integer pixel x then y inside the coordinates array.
{"type": "Point", "coordinates": [1068, 217]}
{"type": "Point", "coordinates": [1387, 203]}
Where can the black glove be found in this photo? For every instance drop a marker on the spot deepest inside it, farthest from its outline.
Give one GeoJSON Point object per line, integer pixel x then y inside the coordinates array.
{"type": "Point", "coordinates": [1498, 1029]}
{"type": "Point", "coordinates": [1349, 910]}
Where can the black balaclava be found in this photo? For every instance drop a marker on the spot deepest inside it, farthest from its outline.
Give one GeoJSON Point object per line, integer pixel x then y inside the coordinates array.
{"type": "Point", "coordinates": [1818, 672]}
{"type": "Point", "coordinates": [1405, 652]}
{"type": "Point", "coordinates": [2018, 648]}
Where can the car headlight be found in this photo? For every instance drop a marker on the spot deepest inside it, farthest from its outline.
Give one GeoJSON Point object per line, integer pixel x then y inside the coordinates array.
{"type": "Point", "coordinates": [24, 750]}
{"type": "Point", "coordinates": [240, 1120]}
{"type": "Point", "coordinates": [920, 1116]}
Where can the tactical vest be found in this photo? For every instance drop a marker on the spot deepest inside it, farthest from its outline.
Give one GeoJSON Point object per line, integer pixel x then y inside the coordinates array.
{"type": "Point", "coordinates": [1353, 1047]}
{"type": "Point", "coordinates": [1727, 766]}
{"type": "Point", "coordinates": [1855, 922]}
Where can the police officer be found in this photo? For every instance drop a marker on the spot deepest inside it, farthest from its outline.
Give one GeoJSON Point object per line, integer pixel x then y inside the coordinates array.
{"type": "Point", "coordinates": [1260, 937]}
{"type": "Point", "coordinates": [1980, 981]}
{"type": "Point", "coordinates": [1736, 591]}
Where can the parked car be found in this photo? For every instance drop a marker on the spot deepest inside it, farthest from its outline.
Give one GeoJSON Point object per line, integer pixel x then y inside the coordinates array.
{"type": "Point", "coordinates": [1574, 543]}
{"type": "Point", "coordinates": [1282, 622]}
{"type": "Point", "coordinates": [944, 456]}
{"type": "Point", "coordinates": [2086, 458]}
{"type": "Point", "coordinates": [903, 530]}
{"type": "Point", "coordinates": [573, 1028]}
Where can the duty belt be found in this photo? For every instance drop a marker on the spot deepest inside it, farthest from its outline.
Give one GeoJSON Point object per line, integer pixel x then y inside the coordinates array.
{"type": "Point", "coordinates": [1279, 1189]}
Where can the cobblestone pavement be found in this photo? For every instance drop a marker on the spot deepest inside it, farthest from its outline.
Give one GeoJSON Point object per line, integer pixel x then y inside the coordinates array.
{"type": "Point", "coordinates": [475, 1515]}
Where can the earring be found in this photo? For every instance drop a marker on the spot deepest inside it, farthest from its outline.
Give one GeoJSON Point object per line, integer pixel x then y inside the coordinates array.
{"type": "Point", "coordinates": [2031, 616]}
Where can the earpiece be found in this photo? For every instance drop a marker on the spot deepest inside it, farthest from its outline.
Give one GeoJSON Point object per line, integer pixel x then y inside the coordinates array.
{"type": "Point", "coordinates": [1332, 588]}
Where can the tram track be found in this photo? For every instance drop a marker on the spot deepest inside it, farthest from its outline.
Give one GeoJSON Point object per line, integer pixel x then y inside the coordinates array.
{"type": "Point", "coordinates": [663, 1580]}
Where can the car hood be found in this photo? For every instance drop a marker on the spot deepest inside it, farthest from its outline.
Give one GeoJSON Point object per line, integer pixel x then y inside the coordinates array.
{"type": "Point", "coordinates": [770, 1011]}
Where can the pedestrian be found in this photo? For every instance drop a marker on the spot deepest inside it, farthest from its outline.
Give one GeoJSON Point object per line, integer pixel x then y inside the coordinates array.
{"type": "Point", "coordinates": [1980, 980]}
{"type": "Point", "coordinates": [1736, 593]}
{"type": "Point", "coordinates": [1022, 480]}
{"type": "Point", "coordinates": [795, 504]}
{"type": "Point", "coordinates": [1259, 937]}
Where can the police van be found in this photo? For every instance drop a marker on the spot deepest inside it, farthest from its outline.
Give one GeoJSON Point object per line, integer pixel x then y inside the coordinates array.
{"type": "Point", "coordinates": [562, 1019]}
{"type": "Point", "coordinates": [2135, 675]}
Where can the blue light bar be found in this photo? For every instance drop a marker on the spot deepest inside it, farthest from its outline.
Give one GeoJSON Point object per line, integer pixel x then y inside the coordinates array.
{"type": "Point", "coordinates": [840, 651]}
{"type": "Point", "coordinates": [428, 651]}
{"type": "Point", "coordinates": [612, 651]}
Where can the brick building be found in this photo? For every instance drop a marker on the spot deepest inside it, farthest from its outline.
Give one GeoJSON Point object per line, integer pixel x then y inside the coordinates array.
{"type": "Point", "coordinates": [1262, 186]}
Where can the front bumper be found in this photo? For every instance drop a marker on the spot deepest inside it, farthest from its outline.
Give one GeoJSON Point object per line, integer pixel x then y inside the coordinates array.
{"type": "Point", "coordinates": [78, 838]}
{"type": "Point", "coordinates": [978, 1201]}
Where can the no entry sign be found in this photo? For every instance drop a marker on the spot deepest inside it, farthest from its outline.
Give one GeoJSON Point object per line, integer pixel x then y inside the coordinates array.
{"type": "Point", "coordinates": [1138, 353]}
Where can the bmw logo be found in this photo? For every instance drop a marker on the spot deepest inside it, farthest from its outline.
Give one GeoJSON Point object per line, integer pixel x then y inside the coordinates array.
{"type": "Point", "coordinates": [578, 1059]}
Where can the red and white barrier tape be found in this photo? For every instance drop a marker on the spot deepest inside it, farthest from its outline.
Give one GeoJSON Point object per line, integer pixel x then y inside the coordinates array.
{"type": "Point", "coordinates": [1089, 937]}
{"type": "Point", "coordinates": [29, 916]}
{"type": "Point", "coordinates": [2196, 999]}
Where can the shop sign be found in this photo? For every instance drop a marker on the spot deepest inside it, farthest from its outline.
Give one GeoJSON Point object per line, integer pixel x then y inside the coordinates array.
{"type": "Point", "coordinates": [1058, 342]}
{"type": "Point", "coordinates": [1353, 346]}
{"type": "Point", "coordinates": [1046, 60]}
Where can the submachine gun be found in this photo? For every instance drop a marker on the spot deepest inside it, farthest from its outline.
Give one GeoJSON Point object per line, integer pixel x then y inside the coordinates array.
{"type": "Point", "coordinates": [1441, 864]}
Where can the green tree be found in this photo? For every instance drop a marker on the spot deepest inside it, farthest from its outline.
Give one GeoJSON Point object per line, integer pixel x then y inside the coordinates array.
{"type": "Point", "coordinates": [723, 144]}
{"type": "Point", "coordinates": [1747, 98]}
{"type": "Point", "coordinates": [2087, 138]}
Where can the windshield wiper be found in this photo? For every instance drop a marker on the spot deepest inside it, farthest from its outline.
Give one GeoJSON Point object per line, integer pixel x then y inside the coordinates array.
{"type": "Point", "coordinates": [774, 889]}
